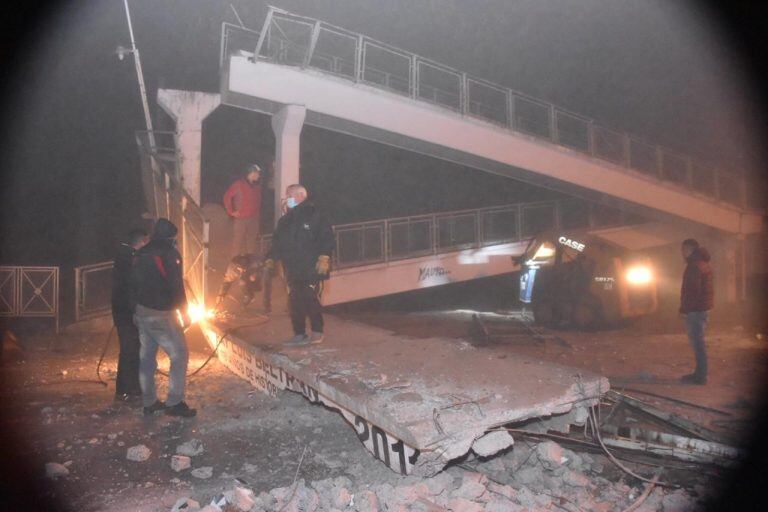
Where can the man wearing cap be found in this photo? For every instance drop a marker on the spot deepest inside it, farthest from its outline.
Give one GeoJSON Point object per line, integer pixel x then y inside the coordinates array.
{"type": "Point", "coordinates": [242, 200]}
{"type": "Point", "coordinates": [157, 290]}
{"type": "Point", "coordinates": [303, 240]}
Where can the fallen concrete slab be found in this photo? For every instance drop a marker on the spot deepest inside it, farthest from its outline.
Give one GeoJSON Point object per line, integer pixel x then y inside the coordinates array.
{"type": "Point", "coordinates": [416, 404]}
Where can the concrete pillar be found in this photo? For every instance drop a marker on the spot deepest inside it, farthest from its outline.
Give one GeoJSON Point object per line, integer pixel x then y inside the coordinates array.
{"type": "Point", "coordinates": [287, 124]}
{"type": "Point", "coordinates": [189, 109]}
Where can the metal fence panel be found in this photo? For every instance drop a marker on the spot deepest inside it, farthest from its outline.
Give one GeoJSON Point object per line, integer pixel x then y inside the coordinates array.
{"type": "Point", "coordinates": [487, 101]}
{"type": "Point", "coordinates": [236, 41]}
{"type": "Point", "coordinates": [287, 40]}
{"type": "Point", "coordinates": [674, 167]}
{"type": "Point", "coordinates": [573, 214]}
{"type": "Point", "coordinates": [537, 219]}
{"type": "Point", "coordinates": [642, 157]}
{"type": "Point", "coordinates": [335, 53]}
{"type": "Point", "coordinates": [93, 290]}
{"type": "Point", "coordinates": [9, 297]}
{"type": "Point", "coordinates": [410, 237]}
{"type": "Point", "coordinates": [386, 68]}
{"type": "Point", "coordinates": [457, 231]}
{"type": "Point", "coordinates": [359, 245]}
{"type": "Point", "coordinates": [608, 144]}
{"type": "Point", "coordinates": [499, 226]}
{"type": "Point", "coordinates": [704, 179]}
{"type": "Point", "coordinates": [572, 131]}
{"type": "Point", "coordinates": [531, 116]}
{"type": "Point", "coordinates": [439, 85]}
{"type": "Point", "coordinates": [729, 188]}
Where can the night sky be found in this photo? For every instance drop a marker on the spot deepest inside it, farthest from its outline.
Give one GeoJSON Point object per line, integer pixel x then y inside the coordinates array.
{"type": "Point", "coordinates": [70, 175]}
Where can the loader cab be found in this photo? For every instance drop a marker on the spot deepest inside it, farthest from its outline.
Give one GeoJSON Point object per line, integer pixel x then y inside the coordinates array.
{"type": "Point", "coordinates": [582, 281]}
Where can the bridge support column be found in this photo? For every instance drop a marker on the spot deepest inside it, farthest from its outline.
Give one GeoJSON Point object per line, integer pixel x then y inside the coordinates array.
{"type": "Point", "coordinates": [287, 124]}
{"type": "Point", "coordinates": [188, 109]}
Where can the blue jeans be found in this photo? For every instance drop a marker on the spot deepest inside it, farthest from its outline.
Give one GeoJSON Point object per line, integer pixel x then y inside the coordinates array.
{"type": "Point", "coordinates": [695, 324]}
{"type": "Point", "coordinates": [161, 329]}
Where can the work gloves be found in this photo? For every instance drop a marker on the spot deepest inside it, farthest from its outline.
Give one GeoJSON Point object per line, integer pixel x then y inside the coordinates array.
{"type": "Point", "coordinates": [323, 264]}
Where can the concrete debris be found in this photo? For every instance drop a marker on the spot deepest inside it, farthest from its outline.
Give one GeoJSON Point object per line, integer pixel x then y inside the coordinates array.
{"type": "Point", "coordinates": [191, 448]}
{"type": "Point", "coordinates": [492, 442]}
{"type": "Point", "coordinates": [203, 472]}
{"type": "Point", "coordinates": [138, 453]}
{"type": "Point", "coordinates": [550, 454]}
{"type": "Point", "coordinates": [180, 462]}
{"type": "Point", "coordinates": [55, 470]}
{"type": "Point", "coordinates": [244, 499]}
{"type": "Point", "coordinates": [185, 505]}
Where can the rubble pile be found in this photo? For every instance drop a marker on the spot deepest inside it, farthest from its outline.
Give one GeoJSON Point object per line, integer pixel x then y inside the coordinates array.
{"type": "Point", "coordinates": [539, 477]}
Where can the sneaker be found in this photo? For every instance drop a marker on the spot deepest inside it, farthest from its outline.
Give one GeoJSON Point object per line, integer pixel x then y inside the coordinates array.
{"type": "Point", "coordinates": [181, 409]}
{"type": "Point", "coordinates": [297, 341]}
{"type": "Point", "coordinates": [694, 378]}
{"type": "Point", "coordinates": [155, 407]}
{"type": "Point", "coordinates": [315, 337]}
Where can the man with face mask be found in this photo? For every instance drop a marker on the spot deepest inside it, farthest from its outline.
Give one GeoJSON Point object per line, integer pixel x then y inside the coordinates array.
{"type": "Point", "coordinates": [242, 200]}
{"type": "Point", "coordinates": [303, 240]}
{"type": "Point", "coordinates": [157, 290]}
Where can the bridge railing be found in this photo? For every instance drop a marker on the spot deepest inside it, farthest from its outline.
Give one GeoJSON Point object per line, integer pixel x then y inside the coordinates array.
{"type": "Point", "coordinates": [296, 40]}
{"type": "Point", "coordinates": [385, 240]}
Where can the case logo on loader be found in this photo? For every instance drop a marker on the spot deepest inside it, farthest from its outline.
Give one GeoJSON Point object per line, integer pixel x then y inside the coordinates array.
{"type": "Point", "coordinates": [573, 244]}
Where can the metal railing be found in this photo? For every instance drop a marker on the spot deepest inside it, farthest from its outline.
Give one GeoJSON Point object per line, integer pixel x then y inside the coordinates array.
{"type": "Point", "coordinates": [93, 290]}
{"type": "Point", "coordinates": [381, 241]}
{"type": "Point", "coordinates": [29, 292]}
{"type": "Point", "coordinates": [167, 198]}
{"type": "Point", "coordinates": [296, 40]}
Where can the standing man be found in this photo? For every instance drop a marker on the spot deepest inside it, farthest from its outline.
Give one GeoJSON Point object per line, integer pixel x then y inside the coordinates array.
{"type": "Point", "coordinates": [696, 299]}
{"type": "Point", "coordinates": [127, 387]}
{"type": "Point", "coordinates": [303, 241]}
{"type": "Point", "coordinates": [242, 200]}
{"type": "Point", "coordinates": [158, 290]}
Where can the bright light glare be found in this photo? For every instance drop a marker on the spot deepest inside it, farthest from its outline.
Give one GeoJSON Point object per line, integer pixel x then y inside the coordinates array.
{"type": "Point", "coordinates": [639, 275]}
{"type": "Point", "coordinates": [544, 251]}
{"type": "Point", "coordinates": [197, 312]}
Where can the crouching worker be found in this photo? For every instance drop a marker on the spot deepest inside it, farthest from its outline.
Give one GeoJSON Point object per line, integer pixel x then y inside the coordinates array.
{"type": "Point", "coordinates": [246, 270]}
{"type": "Point", "coordinates": [158, 292]}
{"type": "Point", "coordinates": [303, 241]}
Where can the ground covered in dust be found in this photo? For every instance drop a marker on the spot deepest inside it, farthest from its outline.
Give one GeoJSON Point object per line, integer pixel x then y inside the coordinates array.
{"type": "Point", "coordinates": [262, 453]}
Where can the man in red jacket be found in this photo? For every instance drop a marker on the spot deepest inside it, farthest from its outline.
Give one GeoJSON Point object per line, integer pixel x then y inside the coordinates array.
{"type": "Point", "coordinates": [696, 299]}
{"type": "Point", "coordinates": [242, 200]}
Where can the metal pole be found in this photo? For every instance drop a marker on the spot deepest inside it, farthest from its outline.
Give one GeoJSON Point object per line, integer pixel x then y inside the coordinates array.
{"type": "Point", "coordinates": [140, 75]}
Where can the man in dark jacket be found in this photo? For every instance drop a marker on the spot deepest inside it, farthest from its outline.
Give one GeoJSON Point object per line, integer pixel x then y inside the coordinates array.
{"type": "Point", "coordinates": [157, 286]}
{"type": "Point", "coordinates": [696, 299]}
{"type": "Point", "coordinates": [304, 242]}
{"type": "Point", "coordinates": [127, 387]}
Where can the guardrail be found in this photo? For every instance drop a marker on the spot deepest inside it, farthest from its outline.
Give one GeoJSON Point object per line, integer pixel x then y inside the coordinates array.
{"type": "Point", "coordinates": [29, 292]}
{"type": "Point", "coordinates": [381, 241]}
{"type": "Point", "coordinates": [93, 290]}
{"type": "Point", "coordinates": [295, 40]}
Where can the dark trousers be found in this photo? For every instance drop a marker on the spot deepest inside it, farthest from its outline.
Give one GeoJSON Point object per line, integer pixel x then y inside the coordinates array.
{"type": "Point", "coordinates": [696, 324]}
{"type": "Point", "coordinates": [128, 362]}
{"type": "Point", "coordinates": [303, 302]}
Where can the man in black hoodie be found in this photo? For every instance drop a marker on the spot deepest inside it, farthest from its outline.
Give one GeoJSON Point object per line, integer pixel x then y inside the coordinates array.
{"type": "Point", "coordinates": [157, 285]}
{"type": "Point", "coordinates": [696, 299]}
{"type": "Point", "coordinates": [127, 387]}
{"type": "Point", "coordinates": [303, 240]}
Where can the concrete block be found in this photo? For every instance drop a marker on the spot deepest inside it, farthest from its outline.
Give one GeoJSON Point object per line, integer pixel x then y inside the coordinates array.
{"type": "Point", "coordinates": [191, 448]}
{"type": "Point", "coordinates": [244, 499]}
{"type": "Point", "coordinates": [55, 470]}
{"type": "Point", "coordinates": [492, 442]}
{"type": "Point", "coordinates": [366, 501]}
{"type": "Point", "coordinates": [180, 462]}
{"type": "Point", "coordinates": [464, 505]}
{"type": "Point", "coordinates": [138, 453]}
{"type": "Point", "coordinates": [550, 454]}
